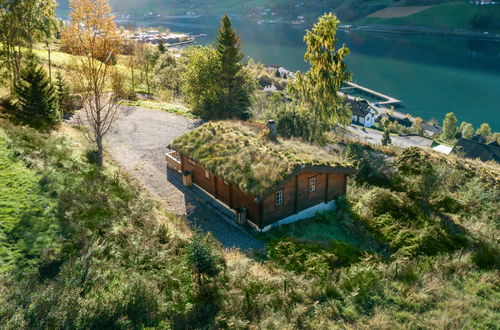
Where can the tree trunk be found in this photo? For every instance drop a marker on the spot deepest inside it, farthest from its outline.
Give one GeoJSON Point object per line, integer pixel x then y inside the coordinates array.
{"type": "Point", "coordinates": [50, 62]}
{"type": "Point", "coordinates": [100, 152]}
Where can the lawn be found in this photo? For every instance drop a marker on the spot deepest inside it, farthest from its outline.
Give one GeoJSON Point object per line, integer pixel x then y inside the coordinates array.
{"type": "Point", "coordinates": [27, 214]}
{"type": "Point", "coordinates": [164, 106]}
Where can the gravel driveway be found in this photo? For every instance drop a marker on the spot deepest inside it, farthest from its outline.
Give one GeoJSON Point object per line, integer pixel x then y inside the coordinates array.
{"type": "Point", "coordinates": [139, 141]}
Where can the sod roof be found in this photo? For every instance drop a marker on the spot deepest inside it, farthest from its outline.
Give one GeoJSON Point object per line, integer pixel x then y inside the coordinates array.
{"type": "Point", "coordinates": [243, 155]}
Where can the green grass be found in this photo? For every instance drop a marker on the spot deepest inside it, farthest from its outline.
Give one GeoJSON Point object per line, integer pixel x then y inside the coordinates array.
{"type": "Point", "coordinates": [122, 260]}
{"type": "Point", "coordinates": [450, 15]}
{"type": "Point", "coordinates": [323, 228]}
{"type": "Point", "coordinates": [27, 214]}
{"type": "Point", "coordinates": [164, 106]}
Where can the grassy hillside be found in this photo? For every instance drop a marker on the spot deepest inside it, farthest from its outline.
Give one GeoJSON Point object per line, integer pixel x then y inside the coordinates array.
{"type": "Point", "coordinates": [453, 15]}
{"type": "Point", "coordinates": [448, 14]}
{"type": "Point", "coordinates": [413, 246]}
{"type": "Point", "coordinates": [27, 213]}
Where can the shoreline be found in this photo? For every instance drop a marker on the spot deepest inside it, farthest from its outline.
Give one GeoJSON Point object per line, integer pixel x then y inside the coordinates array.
{"type": "Point", "coordinates": [421, 30]}
{"type": "Point", "coordinates": [393, 29]}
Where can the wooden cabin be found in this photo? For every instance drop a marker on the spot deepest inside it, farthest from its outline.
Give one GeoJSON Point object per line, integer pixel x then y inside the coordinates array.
{"type": "Point", "coordinates": [265, 181]}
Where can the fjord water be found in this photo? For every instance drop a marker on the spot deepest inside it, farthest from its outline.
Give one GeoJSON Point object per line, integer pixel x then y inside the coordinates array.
{"type": "Point", "coordinates": [432, 75]}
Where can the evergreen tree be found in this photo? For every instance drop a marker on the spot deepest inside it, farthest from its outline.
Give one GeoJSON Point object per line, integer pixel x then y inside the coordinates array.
{"type": "Point", "coordinates": [65, 100]}
{"type": "Point", "coordinates": [449, 126]}
{"type": "Point", "coordinates": [161, 47]}
{"type": "Point", "coordinates": [235, 83]}
{"type": "Point", "coordinates": [386, 139]}
{"type": "Point", "coordinates": [202, 258]}
{"type": "Point", "coordinates": [277, 73]}
{"type": "Point", "coordinates": [37, 100]}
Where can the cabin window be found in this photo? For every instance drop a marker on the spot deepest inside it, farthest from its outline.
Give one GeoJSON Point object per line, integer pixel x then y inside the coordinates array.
{"type": "Point", "coordinates": [279, 197]}
{"type": "Point", "coordinates": [207, 175]}
{"type": "Point", "coordinates": [312, 184]}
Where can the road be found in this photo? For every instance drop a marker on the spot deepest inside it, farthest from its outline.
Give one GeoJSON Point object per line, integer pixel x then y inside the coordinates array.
{"type": "Point", "coordinates": [138, 142]}
{"type": "Point", "coordinates": [373, 136]}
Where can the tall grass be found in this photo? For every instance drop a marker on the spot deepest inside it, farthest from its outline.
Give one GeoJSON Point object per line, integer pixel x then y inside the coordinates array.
{"type": "Point", "coordinates": [120, 262]}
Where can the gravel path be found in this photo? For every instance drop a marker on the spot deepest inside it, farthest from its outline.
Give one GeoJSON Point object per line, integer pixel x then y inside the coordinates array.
{"type": "Point", "coordinates": [139, 141]}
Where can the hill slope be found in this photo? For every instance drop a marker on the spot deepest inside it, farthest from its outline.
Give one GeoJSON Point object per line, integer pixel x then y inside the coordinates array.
{"type": "Point", "coordinates": [456, 14]}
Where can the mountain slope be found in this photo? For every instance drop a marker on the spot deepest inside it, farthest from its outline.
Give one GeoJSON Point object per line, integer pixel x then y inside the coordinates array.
{"type": "Point", "coordinates": [455, 14]}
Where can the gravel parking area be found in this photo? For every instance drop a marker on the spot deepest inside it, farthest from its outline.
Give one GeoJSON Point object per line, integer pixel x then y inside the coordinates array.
{"type": "Point", "coordinates": [139, 141]}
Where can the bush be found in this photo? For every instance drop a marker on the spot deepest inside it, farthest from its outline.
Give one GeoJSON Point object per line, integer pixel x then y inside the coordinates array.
{"type": "Point", "coordinates": [379, 201]}
{"type": "Point", "coordinates": [310, 258]}
{"type": "Point", "coordinates": [373, 167]}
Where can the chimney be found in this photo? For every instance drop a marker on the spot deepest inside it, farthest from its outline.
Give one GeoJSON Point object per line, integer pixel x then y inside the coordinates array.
{"type": "Point", "coordinates": [271, 125]}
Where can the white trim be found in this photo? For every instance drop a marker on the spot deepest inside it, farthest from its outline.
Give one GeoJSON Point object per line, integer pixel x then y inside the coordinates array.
{"type": "Point", "coordinates": [305, 214]}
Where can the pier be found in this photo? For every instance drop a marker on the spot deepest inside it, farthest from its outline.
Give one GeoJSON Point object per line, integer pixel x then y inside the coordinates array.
{"type": "Point", "coordinates": [387, 100]}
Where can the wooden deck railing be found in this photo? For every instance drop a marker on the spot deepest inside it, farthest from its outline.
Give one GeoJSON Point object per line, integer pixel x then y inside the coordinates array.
{"type": "Point", "coordinates": [173, 160]}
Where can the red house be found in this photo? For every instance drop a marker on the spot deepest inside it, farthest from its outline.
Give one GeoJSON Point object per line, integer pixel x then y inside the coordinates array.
{"type": "Point", "coordinates": [265, 181]}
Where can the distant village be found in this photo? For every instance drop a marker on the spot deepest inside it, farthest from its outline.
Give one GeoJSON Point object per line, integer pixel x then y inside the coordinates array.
{"type": "Point", "coordinates": [155, 37]}
{"type": "Point", "coordinates": [367, 115]}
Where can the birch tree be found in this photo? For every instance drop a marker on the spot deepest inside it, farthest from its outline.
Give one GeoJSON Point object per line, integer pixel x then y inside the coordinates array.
{"type": "Point", "coordinates": [317, 90]}
{"type": "Point", "coordinates": [93, 37]}
{"type": "Point", "coordinates": [22, 23]}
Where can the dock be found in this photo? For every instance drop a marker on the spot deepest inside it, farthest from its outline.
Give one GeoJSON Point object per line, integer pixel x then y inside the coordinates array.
{"type": "Point", "coordinates": [387, 99]}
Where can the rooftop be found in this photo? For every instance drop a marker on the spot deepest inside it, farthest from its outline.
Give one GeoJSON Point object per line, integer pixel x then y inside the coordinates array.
{"type": "Point", "coordinates": [473, 149]}
{"type": "Point", "coordinates": [359, 108]}
{"type": "Point", "coordinates": [241, 154]}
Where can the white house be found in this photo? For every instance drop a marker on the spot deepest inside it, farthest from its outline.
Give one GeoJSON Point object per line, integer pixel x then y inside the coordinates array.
{"type": "Point", "coordinates": [362, 112]}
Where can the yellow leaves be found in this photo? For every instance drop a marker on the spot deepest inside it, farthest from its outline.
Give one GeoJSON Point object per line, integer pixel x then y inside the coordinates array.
{"type": "Point", "coordinates": [92, 32]}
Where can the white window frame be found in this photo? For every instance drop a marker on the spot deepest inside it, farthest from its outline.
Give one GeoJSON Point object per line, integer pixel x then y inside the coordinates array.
{"type": "Point", "coordinates": [207, 175]}
{"type": "Point", "coordinates": [279, 198]}
{"type": "Point", "coordinates": [312, 184]}
{"type": "Point", "coordinates": [191, 161]}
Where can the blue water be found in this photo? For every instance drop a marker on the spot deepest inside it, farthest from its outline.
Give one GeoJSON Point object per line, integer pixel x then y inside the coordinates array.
{"type": "Point", "coordinates": [432, 75]}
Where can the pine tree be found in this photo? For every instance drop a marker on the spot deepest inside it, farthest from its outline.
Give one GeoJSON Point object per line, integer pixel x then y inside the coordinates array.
{"type": "Point", "coordinates": [36, 97]}
{"type": "Point", "coordinates": [202, 258]}
{"type": "Point", "coordinates": [235, 83]}
{"type": "Point", "coordinates": [386, 138]}
{"type": "Point", "coordinates": [161, 47]}
{"type": "Point", "coordinates": [65, 100]}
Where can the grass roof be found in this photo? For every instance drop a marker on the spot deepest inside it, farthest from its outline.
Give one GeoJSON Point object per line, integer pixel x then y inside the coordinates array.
{"type": "Point", "coordinates": [243, 155]}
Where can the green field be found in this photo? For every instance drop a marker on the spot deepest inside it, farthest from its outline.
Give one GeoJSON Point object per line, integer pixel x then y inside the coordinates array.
{"type": "Point", "coordinates": [27, 214]}
{"type": "Point", "coordinates": [453, 15]}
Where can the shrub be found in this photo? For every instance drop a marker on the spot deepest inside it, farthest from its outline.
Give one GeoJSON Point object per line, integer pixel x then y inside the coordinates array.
{"type": "Point", "coordinates": [373, 167]}
{"type": "Point", "coordinates": [312, 259]}
{"type": "Point", "coordinates": [381, 201]}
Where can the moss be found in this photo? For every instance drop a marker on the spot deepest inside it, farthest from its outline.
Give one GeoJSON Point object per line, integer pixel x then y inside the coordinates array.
{"type": "Point", "coordinates": [238, 153]}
